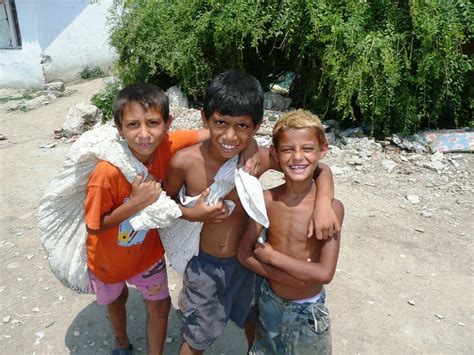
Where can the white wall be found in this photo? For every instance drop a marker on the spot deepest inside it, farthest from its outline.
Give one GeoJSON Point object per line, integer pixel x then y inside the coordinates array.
{"type": "Point", "coordinates": [69, 33]}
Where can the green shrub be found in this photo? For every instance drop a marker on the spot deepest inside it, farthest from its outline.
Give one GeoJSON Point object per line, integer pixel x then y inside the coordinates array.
{"type": "Point", "coordinates": [91, 73]}
{"type": "Point", "coordinates": [104, 99]}
{"type": "Point", "coordinates": [391, 65]}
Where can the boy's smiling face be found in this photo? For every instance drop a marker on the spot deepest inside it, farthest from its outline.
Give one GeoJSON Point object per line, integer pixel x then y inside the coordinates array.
{"type": "Point", "coordinates": [229, 135]}
{"type": "Point", "coordinates": [143, 130]}
{"type": "Point", "coordinates": [298, 153]}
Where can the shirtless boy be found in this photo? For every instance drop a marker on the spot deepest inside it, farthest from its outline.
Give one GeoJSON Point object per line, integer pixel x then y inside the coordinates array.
{"type": "Point", "coordinates": [216, 287]}
{"type": "Point", "coordinates": [293, 318]}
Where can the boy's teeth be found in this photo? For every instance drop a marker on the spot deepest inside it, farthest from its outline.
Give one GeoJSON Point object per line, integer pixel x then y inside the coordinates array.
{"type": "Point", "coordinates": [226, 146]}
{"type": "Point", "coordinates": [297, 167]}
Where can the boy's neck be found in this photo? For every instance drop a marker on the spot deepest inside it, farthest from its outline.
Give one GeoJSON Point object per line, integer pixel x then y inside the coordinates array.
{"type": "Point", "coordinates": [298, 189]}
{"type": "Point", "coordinates": [213, 153]}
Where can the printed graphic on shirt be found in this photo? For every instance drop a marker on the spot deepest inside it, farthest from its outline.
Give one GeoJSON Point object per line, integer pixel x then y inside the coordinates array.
{"type": "Point", "coordinates": [127, 236]}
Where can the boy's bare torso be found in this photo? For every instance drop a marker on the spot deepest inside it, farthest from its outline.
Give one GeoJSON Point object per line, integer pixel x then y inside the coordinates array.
{"type": "Point", "coordinates": [287, 234]}
{"type": "Point", "coordinates": [221, 239]}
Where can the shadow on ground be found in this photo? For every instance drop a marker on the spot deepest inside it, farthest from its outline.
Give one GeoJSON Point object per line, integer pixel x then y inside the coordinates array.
{"type": "Point", "coordinates": [89, 333]}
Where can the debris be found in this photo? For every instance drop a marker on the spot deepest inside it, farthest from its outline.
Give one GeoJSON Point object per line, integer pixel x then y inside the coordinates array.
{"type": "Point", "coordinates": [58, 133]}
{"type": "Point", "coordinates": [388, 165]}
{"type": "Point", "coordinates": [40, 336]}
{"type": "Point", "coordinates": [168, 340]}
{"type": "Point", "coordinates": [411, 302]}
{"type": "Point", "coordinates": [176, 97]}
{"type": "Point", "coordinates": [439, 316]}
{"type": "Point", "coordinates": [461, 324]}
{"type": "Point", "coordinates": [30, 256]}
{"type": "Point", "coordinates": [6, 319]}
{"type": "Point", "coordinates": [3, 137]}
{"type": "Point", "coordinates": [36, 309]}
{"type": "Point", "coordinates": [275, 102]}
{"type": "Point", "coordinates": [447, 141]}
{"type": "Point", "coordinates": [413, 199]}
{"type": "Point", "coordinates": [426, 214]}
{"type": "Point", "coordinates": [419, 230]}
{"type": "Point", "coordinates": [76, 333]}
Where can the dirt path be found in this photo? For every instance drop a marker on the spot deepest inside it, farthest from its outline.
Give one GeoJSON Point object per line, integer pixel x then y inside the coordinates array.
{"type": "Point", "coordinates": [404, 282]}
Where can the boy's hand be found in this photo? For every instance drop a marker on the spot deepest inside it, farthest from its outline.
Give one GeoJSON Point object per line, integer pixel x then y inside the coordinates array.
{"type": "Point", "coordinates": [250, 158]}
{"type": "Point", "coordinates": [263, 252]}
{"type": "Point", "coordinates": [202, 212]}
{"type": "Point", "coordinates": [145, 193]}
{"type": "Point", "coordinates": [324, 223]}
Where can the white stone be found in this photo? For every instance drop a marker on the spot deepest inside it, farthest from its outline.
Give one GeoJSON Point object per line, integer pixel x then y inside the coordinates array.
{"type": "Point", "coordinates": [80, 117]}
{"type": "Point", "coordinates": [6, 319]}
{"type": "Point", "coordinates": [176, 97]}
{"type": "Point", "coordinates": [413, 199]}
{"type": "Point", "coordinates": [388, 165]}
{"type": "Point", "coordinates": [426, 214]}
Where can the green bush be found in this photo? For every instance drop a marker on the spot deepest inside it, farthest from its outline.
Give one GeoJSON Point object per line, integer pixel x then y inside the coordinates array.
{"type": "Point", "coordinates": [104, 99]}
{"type": "Point", "coordinates": [91, 73]}
{"type": "Point", "coordinates": [390, 65]}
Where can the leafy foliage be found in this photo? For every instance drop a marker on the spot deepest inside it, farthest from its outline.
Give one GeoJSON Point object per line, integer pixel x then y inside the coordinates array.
{"type": "Point", "coordinates": [391, 65]}
{"type": "Point", "coordinates": [91, 73]}
{"type": "Point", "coordinates": [104, 99]}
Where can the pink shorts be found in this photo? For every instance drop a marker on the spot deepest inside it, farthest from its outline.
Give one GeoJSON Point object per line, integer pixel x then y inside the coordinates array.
{"type": "Point", "coordinates": [152, 284]}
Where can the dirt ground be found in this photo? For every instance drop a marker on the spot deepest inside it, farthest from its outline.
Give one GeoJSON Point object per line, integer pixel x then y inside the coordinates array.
{"type": "Point", "coordinates": [404, 282]}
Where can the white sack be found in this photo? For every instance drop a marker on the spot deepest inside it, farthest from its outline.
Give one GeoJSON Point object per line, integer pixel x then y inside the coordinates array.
{"type": "Point", "coordinates": [61, 225]}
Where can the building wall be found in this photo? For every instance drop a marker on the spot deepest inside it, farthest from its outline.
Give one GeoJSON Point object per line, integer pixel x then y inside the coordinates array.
{"type": "Point", "coordinates": [59, 38]}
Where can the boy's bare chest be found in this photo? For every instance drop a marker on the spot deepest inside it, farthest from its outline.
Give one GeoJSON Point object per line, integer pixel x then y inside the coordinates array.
{"type": "Point", "coordinates": [288, 227]}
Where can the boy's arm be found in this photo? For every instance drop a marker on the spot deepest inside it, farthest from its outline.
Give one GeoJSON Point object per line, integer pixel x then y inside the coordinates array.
{"type": "Point", "coordinates": [321, 271]}
{"type": "Point", "coordinates": [143, 194]}
{"type": "Point", "coordinates": [324, 223]}
{"type": "Point", "coordinates": [247, 258]}
{"type": "Point", "coordinates": [203, 134]}
{"type": "Point", "coordinates": [201, 211]}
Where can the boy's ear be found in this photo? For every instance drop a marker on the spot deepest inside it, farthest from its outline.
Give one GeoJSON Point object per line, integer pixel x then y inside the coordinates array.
{"type": "Point", "coordinates": [324, 150]}
{"type": "Point", "coordinates": [274, 153]}
{"type": "Point", "coordinates": [169, 123]}
{"type": "Point", "coordinates": [204, 119]}
{"type": "Point", "coordinates": [120, 131]}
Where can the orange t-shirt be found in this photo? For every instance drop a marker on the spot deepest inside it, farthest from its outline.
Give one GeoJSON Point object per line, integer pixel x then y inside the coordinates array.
{"type": "Point", "coordinates": [119, 253]}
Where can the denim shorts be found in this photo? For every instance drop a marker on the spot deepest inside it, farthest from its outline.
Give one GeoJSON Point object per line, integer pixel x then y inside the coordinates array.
{"type": "Point", "coordinates": [285, 327]}
{"type": "Point", "coordinates": [215, 289]}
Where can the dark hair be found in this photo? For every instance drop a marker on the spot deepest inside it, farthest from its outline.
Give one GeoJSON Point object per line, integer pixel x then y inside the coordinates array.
{"type": "Point", "coordinates": [147, 95]}
{"type": "Point", "coordinates": [234, 93]}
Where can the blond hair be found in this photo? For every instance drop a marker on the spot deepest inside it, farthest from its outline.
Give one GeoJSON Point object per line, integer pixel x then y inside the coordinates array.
{"type": "Point", "coordinates": [299, 119]}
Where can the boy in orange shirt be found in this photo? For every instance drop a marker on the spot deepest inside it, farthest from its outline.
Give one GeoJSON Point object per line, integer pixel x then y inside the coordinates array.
{"type": "Point", "coordinates": [116, 253]}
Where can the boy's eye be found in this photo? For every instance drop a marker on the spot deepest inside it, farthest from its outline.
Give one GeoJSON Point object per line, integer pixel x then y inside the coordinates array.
{"type": "Point", "coordinates": [220, 122]}
{"type": "Point", "coordinates": [132, 124]}
{"type": "Point", "coordinates": [243, 126]}
{"type": "Point", "coordinates": [153, 123]}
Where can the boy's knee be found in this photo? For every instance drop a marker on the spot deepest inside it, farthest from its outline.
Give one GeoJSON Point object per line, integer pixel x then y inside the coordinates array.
{"type": "Point", "coordinates": [160, 308]}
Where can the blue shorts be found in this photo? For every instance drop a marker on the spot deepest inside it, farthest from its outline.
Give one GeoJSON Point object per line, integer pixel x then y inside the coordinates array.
{"type": "Point", "coordinates": [215, 289]}
{"type": "Point", "coordinates": [285, 327]}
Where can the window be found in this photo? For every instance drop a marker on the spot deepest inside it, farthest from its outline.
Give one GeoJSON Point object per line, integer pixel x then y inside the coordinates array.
{"type": "Point", "coordinates": [9, 30]}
